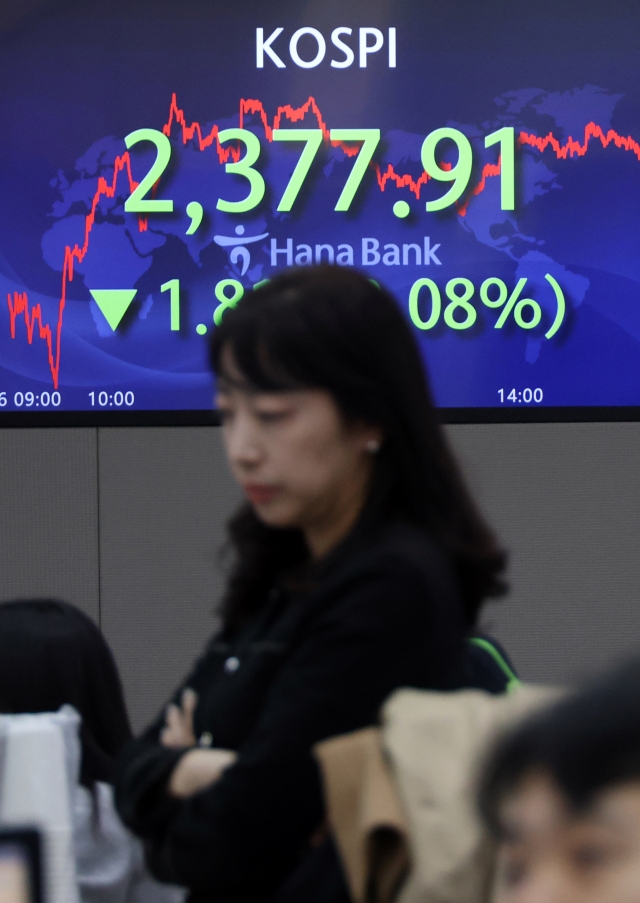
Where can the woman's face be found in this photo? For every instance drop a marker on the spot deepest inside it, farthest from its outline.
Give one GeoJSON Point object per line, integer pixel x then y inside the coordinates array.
{"type": "Point", "coordinates": [298, 462]}
{"type": "Point", "coordinates": [551, 854]}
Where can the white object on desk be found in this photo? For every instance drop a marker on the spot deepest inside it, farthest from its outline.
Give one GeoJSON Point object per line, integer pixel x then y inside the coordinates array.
{"type": "Point", "coordinates": [39, 761]}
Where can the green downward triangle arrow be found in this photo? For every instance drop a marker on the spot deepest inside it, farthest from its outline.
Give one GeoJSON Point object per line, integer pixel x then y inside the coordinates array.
{"type": "Point", "coordinates": [114, 303]}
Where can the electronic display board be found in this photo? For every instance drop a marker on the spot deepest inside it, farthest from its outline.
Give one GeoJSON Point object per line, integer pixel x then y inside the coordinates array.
{"type": "Point", "coordinates": [160, 159]}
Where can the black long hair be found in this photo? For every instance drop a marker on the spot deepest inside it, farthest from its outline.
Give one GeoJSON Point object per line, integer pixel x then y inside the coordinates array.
{"type": "Point", "coordinates": [330, 327]}
{"type": "Point", "coordinates": [52, 654]}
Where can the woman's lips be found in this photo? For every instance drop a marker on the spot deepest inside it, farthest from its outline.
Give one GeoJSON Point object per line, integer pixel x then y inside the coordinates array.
{"type": "Point", "coordinates": [259, 494]}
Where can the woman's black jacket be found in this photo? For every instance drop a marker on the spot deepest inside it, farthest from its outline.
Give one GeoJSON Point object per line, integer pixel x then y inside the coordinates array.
{"type": "Point", "coordinates": [385, 614]}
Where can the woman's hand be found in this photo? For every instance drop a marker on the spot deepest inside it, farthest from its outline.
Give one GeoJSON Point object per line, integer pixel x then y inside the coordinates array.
{"type": "Point", "coordinates": [197, 770]}
{"type": "Point", "coordinates": [177, 732]}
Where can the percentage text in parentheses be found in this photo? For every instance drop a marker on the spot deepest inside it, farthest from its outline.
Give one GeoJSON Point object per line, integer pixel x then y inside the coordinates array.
{"type": "Point", "coordinates": [562, 307]}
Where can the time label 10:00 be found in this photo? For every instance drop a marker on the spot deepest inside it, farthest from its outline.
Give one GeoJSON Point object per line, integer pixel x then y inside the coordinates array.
{"type": "Point", "coordinates": [459, 174]}
{"type": "Point", "coordinates": [114, 400]}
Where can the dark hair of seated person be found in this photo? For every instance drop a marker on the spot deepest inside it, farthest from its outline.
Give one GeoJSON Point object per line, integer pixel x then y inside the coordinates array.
{"type": "Point", "coordinates": [52, 654]}
{"type": "Point", "coordinates": [585, 743]}
{"type": "Point", "coordinates": [331, 328]}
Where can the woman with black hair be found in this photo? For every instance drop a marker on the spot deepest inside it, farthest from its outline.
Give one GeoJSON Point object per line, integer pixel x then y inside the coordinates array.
{"type": "Point", "coordinates": [360, 565]}
{"type": "Point", "coordinates": [51, 654]}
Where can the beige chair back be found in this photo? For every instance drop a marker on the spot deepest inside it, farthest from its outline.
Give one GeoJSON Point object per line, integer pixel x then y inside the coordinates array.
{"type": "Point", "coordinates": [402, 798]}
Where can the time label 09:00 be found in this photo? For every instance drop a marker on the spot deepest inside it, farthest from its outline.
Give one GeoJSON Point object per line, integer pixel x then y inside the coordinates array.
{"type": "Point", "coordinates": [32, 399]}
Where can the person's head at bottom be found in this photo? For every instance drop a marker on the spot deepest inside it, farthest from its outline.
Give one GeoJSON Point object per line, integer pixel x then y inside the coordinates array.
{"type": "Point", "coordinates": [329, 426]}
{"type": "Point", "coordinates": [562, 796]}
{"type": "Point", "coordinates": [52, 654]}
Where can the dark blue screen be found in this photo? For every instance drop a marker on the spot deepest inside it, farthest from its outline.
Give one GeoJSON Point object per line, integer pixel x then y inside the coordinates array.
{"type": "Point", "coordinates": [523, 289]}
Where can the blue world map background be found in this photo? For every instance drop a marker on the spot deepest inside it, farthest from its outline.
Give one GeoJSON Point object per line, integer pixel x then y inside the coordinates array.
{"type": "Point", "coordinates": [577, 219]}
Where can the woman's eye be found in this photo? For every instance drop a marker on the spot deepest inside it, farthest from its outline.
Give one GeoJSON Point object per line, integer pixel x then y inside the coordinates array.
{"type": "Point", "coordinates": [271, 416]}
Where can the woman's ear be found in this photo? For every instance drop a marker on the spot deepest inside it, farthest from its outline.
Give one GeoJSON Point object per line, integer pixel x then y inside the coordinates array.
{"type": "Point", "coordinates": [372, 438]}
{"type": "Point", "coordinates": [368, 437]}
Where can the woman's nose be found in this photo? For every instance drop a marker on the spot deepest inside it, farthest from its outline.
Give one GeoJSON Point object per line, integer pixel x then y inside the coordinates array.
{"type": "Point", "coordinates": [242, 443]}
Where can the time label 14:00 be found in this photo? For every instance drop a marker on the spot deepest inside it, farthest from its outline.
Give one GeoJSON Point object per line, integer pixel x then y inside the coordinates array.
{"type": "Point", "coordinates": [525, 396]}
{"type": "Point", "coordinates": [369, 139]}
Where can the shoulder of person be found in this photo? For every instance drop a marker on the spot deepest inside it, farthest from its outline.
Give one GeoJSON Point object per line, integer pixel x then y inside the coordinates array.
{"type": "Point", "coordinates": [397, 582]}
{"type": "Point", "coordinates": [104, 849]}
{"type": "Point", "coordinates": [399, 569]}
{"type": "Point", "coordinates": [398, 550]}
{"type": "Point", "coordinates": [109, 859]}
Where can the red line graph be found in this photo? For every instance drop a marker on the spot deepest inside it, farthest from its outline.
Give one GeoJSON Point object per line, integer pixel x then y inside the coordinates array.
{"type": "Point", "coordinates": [571, 146]}
{"type": "Point", "coordinates": [488, 170]}
{"type": "Point", "coordinates": [19, 303]}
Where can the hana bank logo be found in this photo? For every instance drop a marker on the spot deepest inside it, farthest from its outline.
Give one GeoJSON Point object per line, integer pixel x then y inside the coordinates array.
{"type": "Point", "coordinates": [239, 255]}
{"type": "Point", "coordinates": [369, 41]}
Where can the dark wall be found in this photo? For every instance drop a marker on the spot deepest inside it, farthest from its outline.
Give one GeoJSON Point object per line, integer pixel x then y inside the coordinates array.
{"type": "Point", "coordinates": [126, 523]}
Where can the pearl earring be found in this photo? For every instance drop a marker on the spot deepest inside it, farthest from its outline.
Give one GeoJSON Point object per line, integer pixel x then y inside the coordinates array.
{"type": "Point", "coordinates": [373, 446]}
